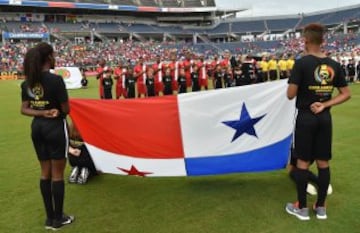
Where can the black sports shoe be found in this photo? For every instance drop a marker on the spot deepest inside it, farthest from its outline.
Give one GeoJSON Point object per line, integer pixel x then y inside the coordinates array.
{"type": "Point", "coordinates": [65, 220]}
{"type": "Point", "coordinates": [49, 224]}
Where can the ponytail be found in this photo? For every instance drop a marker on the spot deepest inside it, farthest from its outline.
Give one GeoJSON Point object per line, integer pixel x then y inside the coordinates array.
{"type": "Point", "coordinates": [34, 61]}
{"type": "Point", "coordinates": [32, 67]}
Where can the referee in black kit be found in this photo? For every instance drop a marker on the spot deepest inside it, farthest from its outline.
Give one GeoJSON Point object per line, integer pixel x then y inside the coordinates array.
{"type": "Point", "coordinates": [312, 81]}
{"type": "Point", "coordinates": [45, 98]}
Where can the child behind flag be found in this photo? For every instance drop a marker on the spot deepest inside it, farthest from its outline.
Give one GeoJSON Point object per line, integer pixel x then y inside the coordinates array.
{"type": "Point", "coordinates": [182, 81]}
{"type": "Point", "coordinates": [150, 83]}
{"type": "Point", "coordinates": [195, 78]}
{"type": "Point", "coordinates": [168, 82]}
{"type": "Point", "coordinates": [130, 83]}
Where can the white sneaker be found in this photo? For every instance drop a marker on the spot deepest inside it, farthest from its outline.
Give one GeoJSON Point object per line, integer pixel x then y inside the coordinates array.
{"type": "Point", "coordinates": [74, 175]}
{"type": "Point", "coordinates": [310, 189]}
{"type": "Point", "coordinates": [84, 175]}
{"type": "Point", "coordinates": [330, 190]}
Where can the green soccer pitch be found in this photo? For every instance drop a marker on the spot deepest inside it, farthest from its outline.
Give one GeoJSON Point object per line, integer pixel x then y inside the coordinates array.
{"type": "Point", "coordinates": [237, 203]}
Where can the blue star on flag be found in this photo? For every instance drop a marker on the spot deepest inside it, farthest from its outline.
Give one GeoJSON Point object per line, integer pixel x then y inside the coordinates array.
{"type": "Point", "coordinates": [244, 125]}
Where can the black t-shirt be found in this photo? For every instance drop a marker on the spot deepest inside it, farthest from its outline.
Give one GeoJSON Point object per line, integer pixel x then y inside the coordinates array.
{"type": "Point", "coordinates": [237, 76]}
{"type": "Point", "coordinates": [167, 80]}
{"type": "Point", "coordinates": [218, 76]}
{"type": "Point", "coordinates": [107, 83]}
{"type": "Point", "coordinates": [248, 69]}
{"type": "Point", "coordinates": [150, 82]}
{"type": "Point", "coordinates": [182, 80]}
{"type": "Point", "coordinates": [343, 68]}
{"type": "Point", "coordinates": [351, 69]}
{"type": "Point", "coordinates": [195, 78]}
{"type": "Point", "coordinates": [130, 81]}
{"type": "Point", "coordinates": [48, 94]}
{"type": "Point", "coordinates": [316, 78]}
{"type": "Point", "coordinates": [84, 82]}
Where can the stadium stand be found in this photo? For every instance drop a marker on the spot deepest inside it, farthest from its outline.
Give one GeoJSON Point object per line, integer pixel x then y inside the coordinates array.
{"type": "Point", "coordinates": [222, 28]}
{"type": "Point", "coordinates": [107, 27]}
{"type": "Point", "coordinates": [342, 16]}
{"type": "Point", "coordinates": [149, 3]}
{"type": "Point", "coordinates": [194, 3]}
{"type": "Point", "coordinates": [123, 2]}
{"type": "Point", "coordinates": [65, 27]}
{"type": "Point", "coordinates": [248, 26]}
{"type": "Point", "coordinates": [282, 24]}
{"type": "Point", "coordinates": [171, 3]}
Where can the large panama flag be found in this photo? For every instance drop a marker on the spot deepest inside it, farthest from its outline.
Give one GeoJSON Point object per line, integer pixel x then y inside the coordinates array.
{"type": "Point", "coordinates": [239, 129]}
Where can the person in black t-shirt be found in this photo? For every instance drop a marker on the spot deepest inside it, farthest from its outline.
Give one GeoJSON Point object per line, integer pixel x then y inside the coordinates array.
{"type": "Point", "coordinates": [351, 70]}
{"type": "Point", "coordinates": [344, 69]}
{"type": "Point", "coordinates": [312, 82]}
{"type": "Point", "coordinates": [228, 77]}
{"type": "Point", "coordinates": [44, 97]}
{"type": "Point", "coordinates": [218, 77]}
{"type": "Point", "coordinates": [150, 83]}
{"type": "Point", "coordinates": [182, 81]}
{"type": "Point", "coordinates": [237, 76]}
{"type": "Point", "coordinates": [107, 84]}
{"type": "Point", "coordinates": [84, 81]}
{"type": "Point", "coordinates": [167, 79]}
{"type": "Point", "coordinates": [195, 79]}
{"type": "Point", "coordinates": [248, 71]}
{"type": "Point", "coordinates": [130, 83]}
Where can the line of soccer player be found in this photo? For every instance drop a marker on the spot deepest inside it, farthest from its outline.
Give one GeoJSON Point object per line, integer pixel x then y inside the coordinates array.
{"type": "Point", "coordinates": [174, 76]}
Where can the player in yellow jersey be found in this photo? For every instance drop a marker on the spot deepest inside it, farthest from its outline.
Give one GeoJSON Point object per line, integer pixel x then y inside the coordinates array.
{"type": "Point", "coordinates": [289, 64]}
{"type": "Point", "coordinates": [273, 68]}
{"type": "Point", "coordinates": [264, 67]}
{"type": "Point", "coordinates": [282, 64]}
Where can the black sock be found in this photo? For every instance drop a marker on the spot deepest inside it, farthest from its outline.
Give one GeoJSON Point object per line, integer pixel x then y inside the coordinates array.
{"type": "Point", "coordinates": [45, 188]}
{"type": "Point", "coordinates": [292, 174]}
{"type": "Point", "coordinates": [301, 179]}
{"type": "Point", "coordinates": [58, 190]}
{"type": "Point", "coordinates": [324, 181]}
{"type": "Point", "coordinates": [313, 178]}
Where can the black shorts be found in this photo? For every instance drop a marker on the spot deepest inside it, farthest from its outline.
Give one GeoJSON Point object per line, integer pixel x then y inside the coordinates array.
{"type": "Point", "coordinates": [313, 135]}
{"type": "Point", "coordinates": [293, 158]}
{"type": "Point", "coordinates": [265, 76]}
{"type": "Point", "coordinates": [283, 74]}
{"type": "Point", "coordinates": [50, 138]}
{"type": "Point", "coordinates": [273, 75]}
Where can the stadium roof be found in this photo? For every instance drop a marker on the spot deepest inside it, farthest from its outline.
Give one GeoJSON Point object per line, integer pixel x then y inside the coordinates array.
{"type": "Point", "coordinates": [124, 6]}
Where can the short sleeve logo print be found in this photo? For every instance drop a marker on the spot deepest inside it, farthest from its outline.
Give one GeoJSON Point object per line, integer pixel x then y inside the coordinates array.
{"type": "Point", "coordinates": [324, 76]}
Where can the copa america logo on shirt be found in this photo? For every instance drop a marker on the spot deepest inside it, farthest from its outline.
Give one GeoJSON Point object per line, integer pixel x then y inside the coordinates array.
{"type": "Point", "coordinates": [64, 73]}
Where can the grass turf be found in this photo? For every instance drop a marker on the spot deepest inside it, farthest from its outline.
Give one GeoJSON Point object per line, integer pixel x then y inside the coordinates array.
{"type": "Point", "coordinates": [220, 204]}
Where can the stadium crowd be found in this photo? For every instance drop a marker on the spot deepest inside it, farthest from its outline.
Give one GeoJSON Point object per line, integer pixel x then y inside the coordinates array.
{"type": "Point", "coordinates": [86, 56]}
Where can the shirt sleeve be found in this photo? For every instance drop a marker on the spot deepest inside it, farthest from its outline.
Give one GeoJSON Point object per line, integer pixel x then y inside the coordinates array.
{"type": "Point", "coordinates": [339, 80]}
{"type": "Point", "coordinates": [296, 74]}
{"type": "Point", "coordinates": [24, 92]}
{"type": "Point", "coordinates": [62, 94]}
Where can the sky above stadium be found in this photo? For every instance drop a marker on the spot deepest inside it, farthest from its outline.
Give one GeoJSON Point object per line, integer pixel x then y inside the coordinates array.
{"type": "Point", "coordinates": [282, 7]}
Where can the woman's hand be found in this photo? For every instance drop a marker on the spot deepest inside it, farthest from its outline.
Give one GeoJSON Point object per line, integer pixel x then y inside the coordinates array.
{"type": "Point", "coordinates": [52, 113]}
